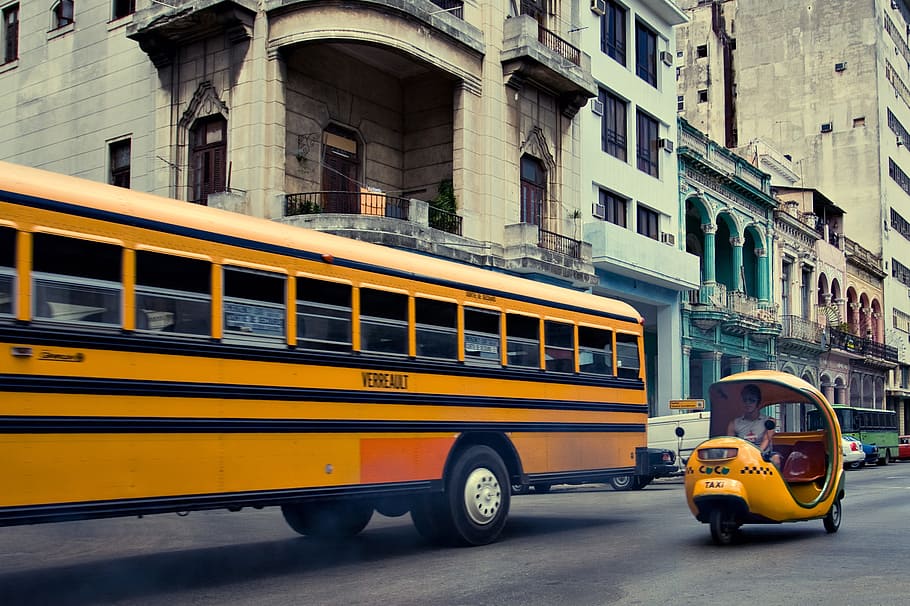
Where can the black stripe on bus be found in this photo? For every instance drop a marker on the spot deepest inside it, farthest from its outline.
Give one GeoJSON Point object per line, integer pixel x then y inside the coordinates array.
{"type": "Point", "coordinates": [179, 230]}
{"type": "Point", "coordinates": [116, 340]}
{"type": "Point", "coordinates": [84, 424]}
{"type": "Point", "coordinates": [173, 389]}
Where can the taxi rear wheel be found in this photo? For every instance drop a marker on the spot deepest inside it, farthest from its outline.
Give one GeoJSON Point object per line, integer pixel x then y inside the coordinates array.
{"type": "Point", "coordinates": [723, 526]}
{"type": "Point", "coordinates": [832, 520]}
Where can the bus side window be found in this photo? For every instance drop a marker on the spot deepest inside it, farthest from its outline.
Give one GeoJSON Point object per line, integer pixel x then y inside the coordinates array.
{"type": "Point", "coordinates": [628, 363]}
{"type": "Point", "coordinates": [7, 270]}
{"type": "Point", "coordinates": [173, 294]}
{"type": "Point", "coordinates": [559, 338]}
{"type": "Point", "coordinates": [437, 329]}
{"type": "Point", "coordinates": [323, 315]}
{"type": "Point", "coordinates": [76, 280]}
{"type": "Point", "coordinates": [481, 336]}
{"type": "Point", "coordinates": [595, 351]}
{"type": "Point", "coordinates": [254, 306]}
{"type": "Point", "coordinates": [522, 341]}
{"type": "Point", "coordinates": [383, 321]}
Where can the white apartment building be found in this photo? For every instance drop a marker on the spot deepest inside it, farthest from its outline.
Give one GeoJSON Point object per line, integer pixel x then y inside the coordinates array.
{"type": "Point", "coordinates": [630, 182]}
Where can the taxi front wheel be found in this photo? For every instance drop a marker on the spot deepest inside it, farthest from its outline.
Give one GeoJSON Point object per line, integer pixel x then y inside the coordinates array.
{"type": "Point", "coordinates": [832, 520]}
{"type": "Point", "coordinates": [723, 526]}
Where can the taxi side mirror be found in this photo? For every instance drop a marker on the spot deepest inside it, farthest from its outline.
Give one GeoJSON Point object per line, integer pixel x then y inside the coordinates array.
{"type": "Point", "coordinates": [770, 424]}
{"type": "Point", "coordinates": [680, 432]}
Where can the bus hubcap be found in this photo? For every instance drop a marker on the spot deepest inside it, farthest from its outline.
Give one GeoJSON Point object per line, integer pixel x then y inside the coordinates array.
{"type": "Point", "coordinates": [482, 496]}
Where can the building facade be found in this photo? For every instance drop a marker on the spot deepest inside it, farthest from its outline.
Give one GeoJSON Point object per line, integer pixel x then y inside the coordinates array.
{"type": "Point", "coordinates": [836, 77]}
{"type": "Point", "coordinates": [630, 179]}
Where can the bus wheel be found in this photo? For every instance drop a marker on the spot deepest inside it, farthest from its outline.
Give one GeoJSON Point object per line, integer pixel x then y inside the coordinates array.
{"type": "Point", "coordinates": [885, 460]}
{"type": "Point", "coordinates": [723, 527]}
{"type": "Point", "coordinates": [431, 518]}
{"type": "Point", "coordinates": [624, 482]}
{"type": "Point", "coordinates": [832, 520]}
{"type": "Point", "coordinates": [478, 496]}
{"type": "Point", "coordinates": [330, 520]}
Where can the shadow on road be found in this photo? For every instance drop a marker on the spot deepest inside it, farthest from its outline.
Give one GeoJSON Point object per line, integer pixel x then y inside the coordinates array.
{"type": "Point", "coordinates": [134, 577]}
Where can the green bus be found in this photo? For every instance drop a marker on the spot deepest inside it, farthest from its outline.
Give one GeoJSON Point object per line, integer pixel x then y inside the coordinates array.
{"type": "Point", "coordinates": [869, 426]}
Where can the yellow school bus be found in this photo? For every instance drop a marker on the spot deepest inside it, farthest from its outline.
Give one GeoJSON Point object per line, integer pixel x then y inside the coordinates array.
{"type": "Point", "coordinates": [161, 356]}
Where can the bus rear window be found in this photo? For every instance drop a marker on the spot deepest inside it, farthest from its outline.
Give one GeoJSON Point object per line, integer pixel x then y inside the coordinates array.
{"type": "Point", "coordinates": [628, 363]}
{"type": "Point", "coordinates": [7, 269]}
{"type": "Point", "coordinates": [173, 294]}
{"type": "Point", "coordinates": [76, 280]}
{"type": "Point", "coordinates": [323, 315]}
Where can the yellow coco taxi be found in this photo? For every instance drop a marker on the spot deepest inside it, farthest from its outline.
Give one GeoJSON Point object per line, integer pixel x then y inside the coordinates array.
{"type": "Point", "coordinates": [773, 472]}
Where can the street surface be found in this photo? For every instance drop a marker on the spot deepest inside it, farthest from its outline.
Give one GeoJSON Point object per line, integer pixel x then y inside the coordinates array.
{"type": "Point", "coordinates": [576, 545]}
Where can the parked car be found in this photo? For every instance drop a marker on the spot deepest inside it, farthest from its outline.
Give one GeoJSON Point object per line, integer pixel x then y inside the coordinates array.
{"type": "Point", "coordinates": [903, 449]}
{"type": "Point", "coordinates": [854, 456]}
{"type": "Point", "coordinates": [871, 451]}
{"type": "Point", "coordinates": [662, 464]}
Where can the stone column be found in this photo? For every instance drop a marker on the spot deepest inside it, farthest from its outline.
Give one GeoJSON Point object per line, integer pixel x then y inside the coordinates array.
{"type": "Point", "coordinates": [709, 229]}
{"type": "Point", "coordinates": [737, 244]}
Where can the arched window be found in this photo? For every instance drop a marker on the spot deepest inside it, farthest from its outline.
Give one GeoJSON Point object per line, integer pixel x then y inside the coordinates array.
{"type": "Point", "coordinates": [63, 14]}
{"type": "Point", "coordinates": [533, 189]}
{"type": "Point", "coordinates": [208, 158]}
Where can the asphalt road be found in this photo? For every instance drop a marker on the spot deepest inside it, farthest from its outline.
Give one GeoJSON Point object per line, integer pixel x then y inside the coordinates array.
{"type": "Point", "coordinates": [578, 545]}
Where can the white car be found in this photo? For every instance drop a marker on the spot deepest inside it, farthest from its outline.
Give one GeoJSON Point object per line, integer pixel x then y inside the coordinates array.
{"type": "Point", "coordinates": [854, 457]}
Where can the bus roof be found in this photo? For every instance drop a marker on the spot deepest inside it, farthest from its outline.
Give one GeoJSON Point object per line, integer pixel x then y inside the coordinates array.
{"type": "Point", "coordinates": [135, 207]}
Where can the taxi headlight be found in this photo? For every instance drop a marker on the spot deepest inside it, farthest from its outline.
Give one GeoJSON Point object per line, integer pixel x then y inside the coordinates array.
{"type": "Point", "coordinates": [716, 454]}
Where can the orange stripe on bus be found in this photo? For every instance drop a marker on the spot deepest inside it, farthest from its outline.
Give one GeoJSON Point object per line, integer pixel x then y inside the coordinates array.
{"type": "Point", "coordinates": [403, 459]}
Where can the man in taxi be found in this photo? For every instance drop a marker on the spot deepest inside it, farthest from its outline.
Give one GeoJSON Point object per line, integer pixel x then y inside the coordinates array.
{"type": "Point", "coordinates": [751, 426]}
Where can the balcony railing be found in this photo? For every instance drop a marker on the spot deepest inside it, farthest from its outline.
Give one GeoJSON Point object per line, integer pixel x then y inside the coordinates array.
{"type": "Point", "coordinates": [558, 45]}
{"type": "Point", "coordinates": [871, 349]}
{"type": "Point", "coordinates": [444, 221]}
{"type": "Point", "coordinates": [795, 327]}
{"type": "Point", "coordinates": [348, 203]}
{"type": "Point", "coordinates": [560, 244]}
{"type": "Point", "coordinates": [453, 7]}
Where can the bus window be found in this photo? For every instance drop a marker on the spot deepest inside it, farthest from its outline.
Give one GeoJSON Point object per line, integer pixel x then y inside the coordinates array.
{"type": "Point", "coordinates": [522, 341]}
{"type": "Point", "coordinates": [76, 280]}
{"type": "Point", "coordinates": [7, 270]}
{"type": "Point", "coordinates": [595, 350]}
{"type": "Point", "coordinates": [383, 321]}
{"type": "Point", "coordinates": [481, 336]}
{"type": "Point", "coordinates": [323, 315]}
{"type": "Point", "coordinates": [173, 294]}
{"type": "Point", "coordinates": [437, 329]}
{"type": "Point", "coordinates": [560, 341]}
{"type": "Point", "coordinates": [253, 305]}
{"type": "Point", "coordinates": [627, 362]}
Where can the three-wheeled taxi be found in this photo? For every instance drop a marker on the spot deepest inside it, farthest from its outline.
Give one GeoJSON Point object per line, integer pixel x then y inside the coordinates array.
{"type": "Point", "coordinates": [798, 477]}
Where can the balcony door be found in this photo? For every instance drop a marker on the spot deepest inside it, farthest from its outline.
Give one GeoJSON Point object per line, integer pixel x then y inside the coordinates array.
{"type": "Point", "coordinates": [533, 189]}
{"type": "Point", "coordinates": [340, 171]}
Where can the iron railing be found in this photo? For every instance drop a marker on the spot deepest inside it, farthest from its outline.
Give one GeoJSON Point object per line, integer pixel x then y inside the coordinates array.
{"type": "Point", "coordinates": [445, 221]}
{"type": "Point", "coordinates": [558, 45]}
{"type": "Point", "coordinates": [347, 203]}
{"type": "Point", "coordinates": [453, 7]}
{"type": "Point", "coordinates": [560, 244]}
{"type": "Point", "coordinates": [845, 341]}
{"type": "Point", "coordinates": [796, 327]}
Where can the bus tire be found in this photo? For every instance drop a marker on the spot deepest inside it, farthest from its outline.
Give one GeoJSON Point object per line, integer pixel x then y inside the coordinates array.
{"type": "Point", "coordinates": [328, 520]}
{"type": "Point", "coordinates": [431, 518]}
{"type": "Point", "coordinates": [885, 460]}
{"type": "Point", "coordinates": [477, 496]}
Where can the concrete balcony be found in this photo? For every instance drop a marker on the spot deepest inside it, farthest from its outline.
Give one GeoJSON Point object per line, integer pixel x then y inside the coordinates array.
{"type": "Point", "coordinates": [535, 55]}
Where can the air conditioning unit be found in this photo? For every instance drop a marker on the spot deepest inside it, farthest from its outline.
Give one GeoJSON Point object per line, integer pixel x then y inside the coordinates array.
{"type": "Point", "coordinates": [666, 145]}
{"type": "Point", "coordinates": [668, 238]}
{"type": "Point", "coordinates": [666, 57]}
{"type": "Point", "coordinates": [827, 127]}
{"type": "Point", "coordinates": [597, 107]}
{"type": "Point", "coordinates": [598, 211]}
{"type": "Point", "coordinates": [599, 6]}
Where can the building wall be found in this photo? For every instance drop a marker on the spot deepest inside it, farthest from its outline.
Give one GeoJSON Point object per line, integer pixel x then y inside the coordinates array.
{"type": "Point", "coordinates": [75, 89]}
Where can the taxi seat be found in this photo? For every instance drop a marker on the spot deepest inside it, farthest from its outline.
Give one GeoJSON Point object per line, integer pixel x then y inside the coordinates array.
{"type": "Point", "coordinates": [806, 462]}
